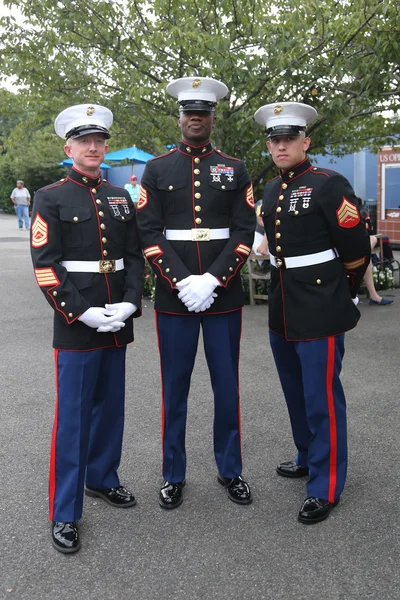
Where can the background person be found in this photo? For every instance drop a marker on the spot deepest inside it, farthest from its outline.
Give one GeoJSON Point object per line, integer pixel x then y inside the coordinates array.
{"type": "Point", "coordinates": [319, 251]}
{"type": "Point", "coordinates": [21, 199]}
{"type": "Point", "coordinates": [374, 298]}
{"type": "Point", "coordinates": [133, 188]}
{"type": "Point", "coordinates": [89, 266]}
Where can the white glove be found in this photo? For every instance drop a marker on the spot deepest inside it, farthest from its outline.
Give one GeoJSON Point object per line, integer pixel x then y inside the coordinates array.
{"type": "Point", "coordinates": [98, 317]}
{"type": "Point", "coordinates": [118, 312]}
{"type": "Point", "coordinates": [196, 290]}
{"type": "Point", "coordinates": [121, 310]}
{"type": "Point", "coordinates": [355, 300]}
{"type": "Point", "coordinates": [207, 303]}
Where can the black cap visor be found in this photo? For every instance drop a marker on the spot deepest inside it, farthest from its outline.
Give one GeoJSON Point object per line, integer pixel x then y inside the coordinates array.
{"type": "Point", "coordinates": [197, 105]}
{"type": "Point", "coordinates": [292, 130]}
{"type": "Point", "coordinates": [82, 130]}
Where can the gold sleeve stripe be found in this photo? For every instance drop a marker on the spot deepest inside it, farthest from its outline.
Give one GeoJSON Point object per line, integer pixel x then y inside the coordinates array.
{"type": "Point", "coordinates": [354, 264]}
{"type": "Point", "coordinates": [151, 251]}
{"type": "Point", "coordinates": [46, 278]}
{"type": "Point", "coordinates": [243, 249]}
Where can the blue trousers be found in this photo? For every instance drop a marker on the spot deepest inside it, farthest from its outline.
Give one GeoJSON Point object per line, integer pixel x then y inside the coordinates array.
{"type": "Point", "coordinates": [22, 213]}
{"type": "Point", "coordinates": [88, 427]}
{"type": "Point", "coordinates": [309, 373]}
{"type": "Point", "coordinates": [178, 339]}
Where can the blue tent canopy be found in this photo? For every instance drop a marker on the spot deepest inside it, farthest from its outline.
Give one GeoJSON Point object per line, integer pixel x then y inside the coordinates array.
{"type": "Point", "coordinates": [68, 162]}
{"type": "Point", "coordinates": [133, 153]}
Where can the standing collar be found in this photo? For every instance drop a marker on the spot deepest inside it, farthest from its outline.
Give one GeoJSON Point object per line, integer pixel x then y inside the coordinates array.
{"type": "Point", "coordinates": [83, 179]}
{"type": "Point", "coordinates": [296, 171]}
{"type": "Point", "coordinates": [191, 150]}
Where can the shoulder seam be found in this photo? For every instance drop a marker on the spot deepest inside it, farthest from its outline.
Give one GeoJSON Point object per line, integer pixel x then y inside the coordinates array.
{"type": "Point", "coordinates": [54, 185]}
{"type": "Point", "coordinates": [226, 155]}
{"type": "Point", "coordinates": [162, 155]}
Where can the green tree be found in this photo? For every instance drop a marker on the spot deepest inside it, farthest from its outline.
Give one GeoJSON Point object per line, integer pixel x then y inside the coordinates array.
{"type": "Point", "coordinates": [30, 149]}
{"type": "Point", "coordinates": [341, 57]}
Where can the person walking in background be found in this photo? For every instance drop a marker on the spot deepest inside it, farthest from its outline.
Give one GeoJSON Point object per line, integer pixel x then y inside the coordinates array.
{"type": "Point", "coordinates": [133, 189]}
{"type": "Point", "coordinates": [21, 199]}
{"type": "Point", "coordinates": [319, 251]}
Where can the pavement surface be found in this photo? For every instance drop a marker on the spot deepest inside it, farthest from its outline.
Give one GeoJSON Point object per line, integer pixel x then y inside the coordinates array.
{"type": "Point", "coordinates": [209, 547]}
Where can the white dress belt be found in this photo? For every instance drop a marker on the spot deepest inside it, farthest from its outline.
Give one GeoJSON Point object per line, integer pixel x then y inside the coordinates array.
{"type": "Point", "coordinates": [93, 266]}
{"type": "Point", "coordinates": [307, 260]}
{"type": "Point", "coordinates": [197, 234]}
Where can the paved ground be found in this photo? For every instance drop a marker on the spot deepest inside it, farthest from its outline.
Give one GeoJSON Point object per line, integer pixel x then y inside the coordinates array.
{"type": "Point", "coordinates": [210, 547]}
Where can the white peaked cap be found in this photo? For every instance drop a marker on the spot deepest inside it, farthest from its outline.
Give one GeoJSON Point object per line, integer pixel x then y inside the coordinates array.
{"type": "Point", "coordinates": [82, 119]}
{"type": "Point", "coordinates": [281, 117]}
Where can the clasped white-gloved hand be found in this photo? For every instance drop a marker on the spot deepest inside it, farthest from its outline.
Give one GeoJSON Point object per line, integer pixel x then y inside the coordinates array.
{"type": "Point", "coordinates": [355, 300]}
{"type": "Point", "coordinates": [108, 319]}
{"type": "Point", "coordinates": [101, 319]}
{"type": "Point", "coordinates": [197, 291]}
{"type": "Point", "coordinates": [119, 312]}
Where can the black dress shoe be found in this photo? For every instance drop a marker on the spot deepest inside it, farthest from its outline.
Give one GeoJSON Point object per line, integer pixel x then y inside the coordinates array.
{"type": "Point", "coordinates": [238, 489]}
{"type": "Point", "coordinates": [315, 510]}
{"type": "Point", "coordinates": [171, 494]}
{"type": "Point", "coordinates": [65, 537]}
{"type": "Point", "coordinates": [291, 469]}
{"type": "Point", "coordinates": [119, 497]}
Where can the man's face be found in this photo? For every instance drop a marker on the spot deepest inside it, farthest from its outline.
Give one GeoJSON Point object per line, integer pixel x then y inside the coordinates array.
{"type": "Point", "coordinates": [134, 182]}
{"type": "Point", "coordinates": [196, 126]}
{"type": "Point", "coordinates": [87, 151]}
{"type": "Point", "coordinates": [20, 185]}
{"type": "Point", "coordinates": [288, 151]}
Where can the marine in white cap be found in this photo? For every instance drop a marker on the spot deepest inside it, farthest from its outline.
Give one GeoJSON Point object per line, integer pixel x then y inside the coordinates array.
{"type": "Point", "coordinates": [89, 265]}
{"type": "Point", "coordinates": [319, 251]}
{"type": "Point", "coordinates": [196, 220]}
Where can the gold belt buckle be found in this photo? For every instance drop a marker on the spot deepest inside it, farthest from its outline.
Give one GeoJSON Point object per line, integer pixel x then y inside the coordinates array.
{"type": "Point", "coordinates": [107, 266]}
{"type": "Point", "coordinates": [200, 235]}
{"type": "Point", "coordinates": [278, 263]}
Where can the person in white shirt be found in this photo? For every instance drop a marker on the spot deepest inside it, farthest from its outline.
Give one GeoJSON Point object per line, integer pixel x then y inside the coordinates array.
{"type": "Point", "coordinates": [21, 199]}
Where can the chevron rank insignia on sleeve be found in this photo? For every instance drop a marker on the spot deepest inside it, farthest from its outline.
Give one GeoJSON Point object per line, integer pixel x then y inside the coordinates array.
{"type": "Point", "coordinates": [142, 198]}
{"type": "Point", "coordinates": [250, 195]}
{"type": "Point", "coordinates": [40, 232]}
{"type": "Point", "coordinates": [347, 214]}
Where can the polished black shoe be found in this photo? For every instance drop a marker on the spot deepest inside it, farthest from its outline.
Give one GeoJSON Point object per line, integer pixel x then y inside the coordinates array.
{"type": "Point", "coordinates": [238, 489]}
{"type": "Point", "coordinates": [171, 494]}
{"type": "Point", "coordinates": [315, 510]}
{"type": "Point", "coordinates": [291, 469]}
{"type": "Point", "coordinates": [119, 497]}
{"type": "Point", "coordinates": [65, 537]}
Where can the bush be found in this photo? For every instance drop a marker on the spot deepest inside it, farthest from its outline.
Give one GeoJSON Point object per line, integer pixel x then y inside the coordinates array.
{"type": "Point", "coordinates": [383, 277]}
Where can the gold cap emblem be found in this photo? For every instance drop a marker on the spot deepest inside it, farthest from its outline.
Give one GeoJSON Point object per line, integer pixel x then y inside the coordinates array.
{"type": "Point", "coordinates": [90, 110]}
{"type": "Point", "coordinates": [196, 83]}
{"type": "Point", "coordinates": [278, 109]}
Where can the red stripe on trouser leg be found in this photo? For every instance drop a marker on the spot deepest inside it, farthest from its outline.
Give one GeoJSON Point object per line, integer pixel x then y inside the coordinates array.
{"type": "Point", "coordinates": [162, 393]}
{"type": "Point", "coordinates": [52, 477]}
{"type": "Point", "coordinates": [330, 368]}
{"type": "Point", "coordinates": [238, 378]}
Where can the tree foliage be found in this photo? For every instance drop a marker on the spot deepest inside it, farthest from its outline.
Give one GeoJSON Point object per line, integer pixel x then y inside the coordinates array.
{"type": "Point", "coordinates": [29, 150]}
{"type": "Point", "coordinates": [340, 56]}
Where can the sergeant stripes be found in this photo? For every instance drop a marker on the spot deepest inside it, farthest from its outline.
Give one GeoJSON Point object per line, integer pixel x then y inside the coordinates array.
{"type": "Point", "coordinates": [46, 277]}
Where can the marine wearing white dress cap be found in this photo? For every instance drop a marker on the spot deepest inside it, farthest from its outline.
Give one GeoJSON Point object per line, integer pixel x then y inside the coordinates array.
{"type": "Point", "coordinates": [197, 93]}
{"type": "Point", "coordinates": [285, 118]}
{"type": "Point", "coordinates": [83, 119]}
